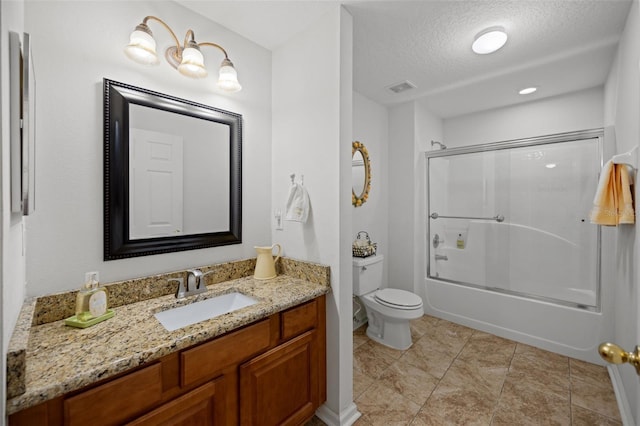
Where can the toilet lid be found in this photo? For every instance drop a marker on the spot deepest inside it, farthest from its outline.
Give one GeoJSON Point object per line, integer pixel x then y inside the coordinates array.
{"type": "Point", "coordinates": [399, 299]}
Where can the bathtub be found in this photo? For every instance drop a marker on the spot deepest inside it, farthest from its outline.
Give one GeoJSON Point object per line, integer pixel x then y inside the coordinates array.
{"type": "Point", "coordinates": [562, 329]}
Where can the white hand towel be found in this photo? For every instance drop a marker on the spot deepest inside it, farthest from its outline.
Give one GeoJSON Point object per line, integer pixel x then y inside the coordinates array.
{"type": "Point", "coordinates": [297, 209]}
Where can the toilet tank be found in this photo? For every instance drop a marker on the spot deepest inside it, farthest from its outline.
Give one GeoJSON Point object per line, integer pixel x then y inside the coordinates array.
{"type": "Point", "coordinates": [367, 274]}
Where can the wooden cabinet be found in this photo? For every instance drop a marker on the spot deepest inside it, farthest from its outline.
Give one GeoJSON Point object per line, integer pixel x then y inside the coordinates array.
{"type": "Point", "coordinates": [267, 373]}
{"type": "Point", "coordinates": [280, 387]}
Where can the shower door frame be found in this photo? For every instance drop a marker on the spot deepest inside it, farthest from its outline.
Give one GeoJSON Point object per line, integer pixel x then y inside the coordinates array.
{"type": "Point", "coordinates": [510, 144]}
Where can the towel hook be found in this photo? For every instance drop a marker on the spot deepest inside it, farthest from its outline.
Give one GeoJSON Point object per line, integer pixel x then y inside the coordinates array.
{"type": "Point", "coordinates": [293, 179]}
{"type": "Point", "coordinates": [629, 158]}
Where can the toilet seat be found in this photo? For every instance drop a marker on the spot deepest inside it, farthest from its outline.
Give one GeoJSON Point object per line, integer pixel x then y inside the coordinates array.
{"type": "Point", "coordinates": [398, 299]}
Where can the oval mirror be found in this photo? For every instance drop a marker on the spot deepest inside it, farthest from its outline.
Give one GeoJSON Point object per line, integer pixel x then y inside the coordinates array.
{"type": "Point", "coordinates": [360, 173]}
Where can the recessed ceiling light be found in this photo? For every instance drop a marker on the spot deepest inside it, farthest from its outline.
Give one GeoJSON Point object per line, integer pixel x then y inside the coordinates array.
{"type": "Point", "coordinates": [489, 40]}
{"type": "Point", "coordinates": [528, 90]}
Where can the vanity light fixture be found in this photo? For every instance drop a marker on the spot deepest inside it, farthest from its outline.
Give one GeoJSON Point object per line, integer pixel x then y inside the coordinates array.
{"type": "Point", "coordinates": [489, 40]}
{"type": "Point", "coordinates": [528, 90]}
{"type": "Point", "coordinates": [186, 58]}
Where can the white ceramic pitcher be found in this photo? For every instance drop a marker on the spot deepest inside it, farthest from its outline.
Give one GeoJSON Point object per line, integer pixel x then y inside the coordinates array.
{"type": "Point", "coordinates": [265, 263]}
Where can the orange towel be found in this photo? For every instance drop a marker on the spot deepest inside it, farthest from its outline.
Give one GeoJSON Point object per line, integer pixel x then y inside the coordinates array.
{"type": "Point", "coordinates": [613, 203]}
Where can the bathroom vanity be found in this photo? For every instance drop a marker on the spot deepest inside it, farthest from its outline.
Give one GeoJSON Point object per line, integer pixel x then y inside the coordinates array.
{"type": "Point", "coordinates": [264, 364]}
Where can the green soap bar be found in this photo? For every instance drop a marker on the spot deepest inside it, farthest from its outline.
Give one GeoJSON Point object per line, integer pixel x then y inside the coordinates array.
{"type": "Point", "coordinates": [74, 322]}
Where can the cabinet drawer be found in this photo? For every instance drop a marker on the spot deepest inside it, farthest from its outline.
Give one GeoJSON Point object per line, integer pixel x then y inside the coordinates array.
{"type": "Point", "coordinates": [116, 401]}
{"type": "Point", "coordinates": [201, 406]}
{"type": "Point", "coordinates": [211, 358]}
{"type": "Point", "coordinates": [299, 319]}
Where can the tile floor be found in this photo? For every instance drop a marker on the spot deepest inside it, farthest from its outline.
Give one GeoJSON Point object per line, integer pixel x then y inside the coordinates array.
{"type": "Point", "coordinates": [454, 375]}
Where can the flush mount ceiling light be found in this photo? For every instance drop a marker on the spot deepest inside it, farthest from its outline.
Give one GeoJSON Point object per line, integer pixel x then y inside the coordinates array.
{"type": "Point", "coordinates": [528, 90]}
{"type": "Point", "coordinates": [186, 58]}
{"type": "Point", "coordinates": [489, 40]}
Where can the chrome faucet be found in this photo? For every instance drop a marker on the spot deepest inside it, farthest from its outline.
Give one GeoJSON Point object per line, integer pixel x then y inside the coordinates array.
{"type": "Point", "coordinates": [194, 285]}
{"type": "Point", "coordinates": [441, 257]}
{"type": "Point", "coordinates": [194, 281]}
{"type": "Point", "coordinates": [180, 291]}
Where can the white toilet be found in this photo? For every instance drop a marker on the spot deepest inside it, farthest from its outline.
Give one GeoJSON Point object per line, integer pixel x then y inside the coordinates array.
{"type": "Point", "coordinates": [388, 310]}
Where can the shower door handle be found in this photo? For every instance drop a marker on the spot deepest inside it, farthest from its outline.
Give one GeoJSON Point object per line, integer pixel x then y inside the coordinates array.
{"type": "Point", "coordinates": [614, 354]}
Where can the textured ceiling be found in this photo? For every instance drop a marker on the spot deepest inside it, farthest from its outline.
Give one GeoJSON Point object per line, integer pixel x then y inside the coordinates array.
{"type": "Point", "coordinates": [558, 45]}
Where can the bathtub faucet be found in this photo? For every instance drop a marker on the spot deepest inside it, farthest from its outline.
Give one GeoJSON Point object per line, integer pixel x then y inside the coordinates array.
{"type": "Point", "coordinates": [441, 257]}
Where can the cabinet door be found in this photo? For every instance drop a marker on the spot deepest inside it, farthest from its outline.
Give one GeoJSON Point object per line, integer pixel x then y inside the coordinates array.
{"type": "Point", "coordinates": [203, 406]}
{"type": "Point", "coordinates": [281, 387]}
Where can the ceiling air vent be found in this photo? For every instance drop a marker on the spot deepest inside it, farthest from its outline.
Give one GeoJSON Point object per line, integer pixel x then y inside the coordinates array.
{"type": "Point", "coordinates": [402, 87]}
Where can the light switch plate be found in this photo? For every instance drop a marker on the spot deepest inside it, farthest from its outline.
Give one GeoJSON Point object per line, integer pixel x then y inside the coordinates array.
{"type": "Point", "coordinates": [277, 214]}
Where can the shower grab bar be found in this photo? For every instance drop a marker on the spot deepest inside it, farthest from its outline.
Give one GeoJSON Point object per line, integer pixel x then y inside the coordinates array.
{"type": "Point", "coordinates": [497, 218]}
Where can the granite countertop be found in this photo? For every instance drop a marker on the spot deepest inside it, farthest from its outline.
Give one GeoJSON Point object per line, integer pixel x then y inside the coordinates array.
{"type": "Point", "coordinates": [59, 359]}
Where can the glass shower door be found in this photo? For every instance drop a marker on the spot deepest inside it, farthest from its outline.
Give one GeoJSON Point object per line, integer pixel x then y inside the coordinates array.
{"type": "Point", "coordinates": [513, 217]}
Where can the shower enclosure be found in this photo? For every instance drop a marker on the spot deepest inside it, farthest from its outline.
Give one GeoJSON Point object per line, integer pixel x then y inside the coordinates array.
{"type": "Point", "coordinates": [512, 218]}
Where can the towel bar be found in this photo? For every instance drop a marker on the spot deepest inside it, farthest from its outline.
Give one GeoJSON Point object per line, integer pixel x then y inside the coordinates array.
{"type": "Point", "coordinates": [497, 218]}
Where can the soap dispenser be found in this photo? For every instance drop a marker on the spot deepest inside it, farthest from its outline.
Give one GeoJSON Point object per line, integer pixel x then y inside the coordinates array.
{"type": "Point", "coordinates": [460, 242]}
{"type": "Point", "coordinates": [91, 304]}
{"type": "Point", "coordinates": [91, 300]}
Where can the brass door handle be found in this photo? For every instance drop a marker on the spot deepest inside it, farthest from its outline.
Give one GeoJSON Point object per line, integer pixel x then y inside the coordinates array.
{"type": "Point", "coordinates": [614, 354]}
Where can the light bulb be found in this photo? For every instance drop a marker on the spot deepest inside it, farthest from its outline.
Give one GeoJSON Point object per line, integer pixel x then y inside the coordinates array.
{"type": "Point", "coordinates": [228, 77]}
{"type": "Point", "coordinates": [142, 46]}
{"type": "Point", "coordinates": [192, 64]}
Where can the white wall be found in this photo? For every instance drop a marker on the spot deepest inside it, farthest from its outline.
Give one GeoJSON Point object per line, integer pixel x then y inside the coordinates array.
{"type": "Point", "coordinates": [571, 112]}
{"type": "Point", "coordinates": [622, 101]}
{"type": "Point", "coordinates": [399, 256]}
{"type": "Point", "coordinates": [428, 128]}
{"type": "Point", "coordinates": [12, 265]}
{"type": "Point", "coordinates": [312, 137]}
{"type": "Point", "coordinates": [75, 46]}
{"type": "Point", "coordinates": [411, 128]}
{"type": "Point", "coordinates": [371, 127]}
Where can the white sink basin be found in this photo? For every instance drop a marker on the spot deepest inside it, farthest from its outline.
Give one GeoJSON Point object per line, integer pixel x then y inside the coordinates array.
{"type": "Point", "coordinates": [183, 316]}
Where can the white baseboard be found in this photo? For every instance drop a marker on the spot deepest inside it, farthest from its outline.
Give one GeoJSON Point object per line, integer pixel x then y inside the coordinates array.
{"type": "Point", "coordinates": [347, 417]}
{"type": "Point", "coordinates": [621, 396]}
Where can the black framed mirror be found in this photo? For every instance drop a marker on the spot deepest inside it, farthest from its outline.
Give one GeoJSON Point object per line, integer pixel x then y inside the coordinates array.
{"type": "Point", "coordinates": [172, 173]}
